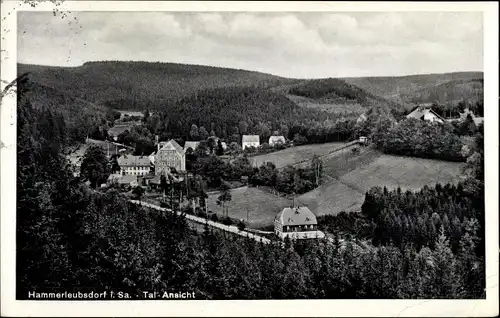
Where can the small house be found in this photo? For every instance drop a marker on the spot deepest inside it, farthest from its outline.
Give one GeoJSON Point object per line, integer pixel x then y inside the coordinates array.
{"type": "Point", "coordinates": [297, 223]}
{"type": "Point", "coordinates": [276, 140]}
{"type": "Point", "coordinates": [426, 114]}
{"type": "Point", "coordinates": [134, 165]}
{"type": "Point", "coordinates": [250, 141]}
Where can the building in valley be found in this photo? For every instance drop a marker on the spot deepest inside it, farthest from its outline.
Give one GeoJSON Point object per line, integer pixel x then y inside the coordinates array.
{"type": "Point", "coordinates": [134, 165]}
{"type": "Point", "coordinates": [276, 140]}
{"type": "Point", "coordinates": [427, 114]}
{"type": "Point", "coordinates": [250, 141]}
{"type": "Point", "coordinates": [297, 223]}
{"type": "Point", "coordinates": [191, 145]}
{"type": "Point", "coordinates": [169, 155]}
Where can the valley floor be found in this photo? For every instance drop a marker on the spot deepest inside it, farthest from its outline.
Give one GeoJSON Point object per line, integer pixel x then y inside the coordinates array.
{"type": "Point", "coordinates": [346, 178]}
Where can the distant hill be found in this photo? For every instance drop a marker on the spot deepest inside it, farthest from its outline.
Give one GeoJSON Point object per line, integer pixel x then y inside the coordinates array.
{"type": "Point", "coordinates": [333, 95]}
{"type": "Point", "coordinates": [446, 87]}
{"type": "Point", "coordinates": [141, 85]}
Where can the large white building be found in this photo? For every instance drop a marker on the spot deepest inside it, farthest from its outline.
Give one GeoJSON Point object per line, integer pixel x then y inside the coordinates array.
{"type": "Point", "coordinates": [134, 165]}
{"type": "Point", "coordinates": [169, 155]}
{"type": "Point", "coordinates": [297, 223]}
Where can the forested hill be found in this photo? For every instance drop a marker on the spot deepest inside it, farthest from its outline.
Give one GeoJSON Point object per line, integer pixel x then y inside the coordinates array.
{"type": "Point", "coordinates": [416, 88]}
{"type": "Point", "coordinates": [80, 116]}
{"type": "Point", "coordinates": [142, 85]}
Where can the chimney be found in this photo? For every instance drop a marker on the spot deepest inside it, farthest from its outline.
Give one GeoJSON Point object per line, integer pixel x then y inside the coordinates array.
{"type": "Point", "coordinates": [156, 139]}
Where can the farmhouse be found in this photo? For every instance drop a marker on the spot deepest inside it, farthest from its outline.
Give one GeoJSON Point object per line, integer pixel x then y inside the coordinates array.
{"type": "Point", "coordinates": [296, 223]}
{"type": "Point", "coordinates": [275, 140]}
{"type": "Point", "coordinates": [250, 141]}
{"type": "Point", "coordinates": [427, 114]}
{"type": "Point", "coordinates": [169, 155]}
{"type": "Point", "coordinates": [134, 165]}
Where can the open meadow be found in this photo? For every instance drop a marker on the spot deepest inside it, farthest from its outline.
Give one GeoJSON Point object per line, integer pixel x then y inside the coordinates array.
{"type": "Point", "coordinates": [292, 155]}
{"type": "Point", "coordinates": [347, 176]}
{"type": "Point", "coordinates": [260, 205]}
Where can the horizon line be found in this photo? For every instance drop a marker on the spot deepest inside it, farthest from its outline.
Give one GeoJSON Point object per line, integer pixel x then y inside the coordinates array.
{"type": "Point", "coordinates": [248, 70]}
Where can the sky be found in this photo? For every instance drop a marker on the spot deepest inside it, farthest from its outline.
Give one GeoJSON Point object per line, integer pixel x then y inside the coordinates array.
{"type": "Point", "coordinates": [295, 44]}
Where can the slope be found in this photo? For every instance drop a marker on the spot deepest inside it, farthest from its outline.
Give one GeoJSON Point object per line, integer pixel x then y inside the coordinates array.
{"type": "Point", "coordinates": [397, 87]}
{"type": "Point", "coordinates": [140, 85]}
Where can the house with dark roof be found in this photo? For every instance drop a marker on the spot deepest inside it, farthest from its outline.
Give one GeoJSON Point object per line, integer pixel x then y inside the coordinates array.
{"type": "Point", "coordinates": [427, 114]}
{"type": "Point", "coordinates": [169, 155]}
{"type": "Point", "coordinates": [297, 223]}
{"type": "Point", "coordinates": [250, 141]}
{"type": "Point", "coordinates": [134, 165]}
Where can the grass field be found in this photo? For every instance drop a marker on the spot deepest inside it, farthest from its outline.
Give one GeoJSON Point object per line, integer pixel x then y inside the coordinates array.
{"type": "Point", "coordinates": [346, 188]}
{"type": "Point", "coordinates": [292, 155]}
{"type": "Point", "coordinates": [261, 206]}
{"type": "Point", "coordinates": [347, 178]}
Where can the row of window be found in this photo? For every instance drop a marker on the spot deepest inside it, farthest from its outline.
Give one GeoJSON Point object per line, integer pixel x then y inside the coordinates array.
{"type": "Point", "coordinates": [299, 228]}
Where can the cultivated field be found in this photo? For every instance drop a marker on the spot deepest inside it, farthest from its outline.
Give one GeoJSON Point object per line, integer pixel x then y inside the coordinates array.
{"type": "Point", "coordinates": [261, 206]}
{"type": "Point", "coordinates": [345, 191]}
{"type": "Point", "coordinates": [333, 106]}
{"type": "Point", "coordinates": [347, 177]}
{"type": "Point", "coordinates": [292, 155]}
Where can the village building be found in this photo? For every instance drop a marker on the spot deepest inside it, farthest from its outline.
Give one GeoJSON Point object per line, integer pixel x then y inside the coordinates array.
{"type": "Point", "coordinates": [276, 140]}
{"type": "Point", "coordinates": [134, 165]}
{"type": "Point", "coordinates": [169, 155]}
{"type": "Point", "coordinates": [361, 118]}
{"type": "Point", "coordinates": [297, 223]}
{"type": "Point", "coordinates": [128, 181]}
{"type": "Point", "coordinates": [191, 145]}
{"type": "Point", "coordinates": [427, 114]}
{"type": "Point", "coordinates": [250, 141]}
{"type": "Point", "coordinates": [118, 129]}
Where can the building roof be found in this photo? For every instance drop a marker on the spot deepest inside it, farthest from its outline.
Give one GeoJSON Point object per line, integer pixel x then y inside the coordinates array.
{"type": "Point", "coordinates": [127, 179]}
{"type": "Point", "coordinates": [251, 138]}
{"type": "Point", "coordinates": [133, 161]}
{"type": "Point", "coordinates": [171, 145]}
{"type": "Point", "coordinates": [418, 112]}
{"type": "Point", "coordinates": [296, 216]}
{"type": "Point", "coordinates": [119, 129]}
{"type": "Point", "coordinates": [114, 176]}
{"type": "Point", "coordinates": [191, 144]}
{"type": "Point", "coordinates": [274, 139]}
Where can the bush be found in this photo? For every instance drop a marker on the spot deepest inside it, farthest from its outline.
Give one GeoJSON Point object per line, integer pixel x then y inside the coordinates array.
{"type": "Point", "coordinates": [227, 221]}
{"type": "Point", "coordinates": [201, 214]}
{"type": "Point", "coordinates": [214, 217]}
{"type": "Point", "coordinates": [241, 225]}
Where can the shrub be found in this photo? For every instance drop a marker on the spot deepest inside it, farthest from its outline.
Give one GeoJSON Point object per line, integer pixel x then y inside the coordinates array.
{"type": "Point", "coordinates": [214, 217]}
{"type": "Point", "coordinates": [227, 221]}
{"type": "Point", "coordinates": [241, 225]}
{"type": "Point", "coordinates": [201, 214]}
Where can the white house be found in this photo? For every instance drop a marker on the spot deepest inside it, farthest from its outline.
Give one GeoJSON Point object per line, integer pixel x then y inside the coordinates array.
{"type": "Point", "coordinates": [426, 114]}
{"type": "Point", "coordinates": [191, 145]}
{"type": "Point", "coordinates": [169, 155]}
{"type": "Point", "coordinates": [134, 165]}
{"type": "Point", "coordinates": [250, 141]}
{"type": "Point", "coordinates": [297, 223]}
{"type": "Point", "coordinates": [275, 140]}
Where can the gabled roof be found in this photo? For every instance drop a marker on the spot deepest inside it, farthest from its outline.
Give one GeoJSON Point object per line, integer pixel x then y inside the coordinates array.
{"type": "Point", "coordinates": [274, 139]}
{"type": "Point", "coordinates": [418, 112]}
{"type": "Point", "coordinates": [251, 138]}
{"type": "Point", "coordinates": [133, 161]}
{"type": "Point", "coordinates": [118, 129]}
{"type": "Point", "coordinates": [191, 144]}
{"type": "Point", "coordinates": [127, 179]}
{"type": "Point", "coordinates": [171, 145]}
{"type": "Point", "coordinates": [296, 216]}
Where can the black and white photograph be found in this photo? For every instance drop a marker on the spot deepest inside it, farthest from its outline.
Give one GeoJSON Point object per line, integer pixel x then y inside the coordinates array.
{"type": "Point", "coordinates": [230, 156]}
